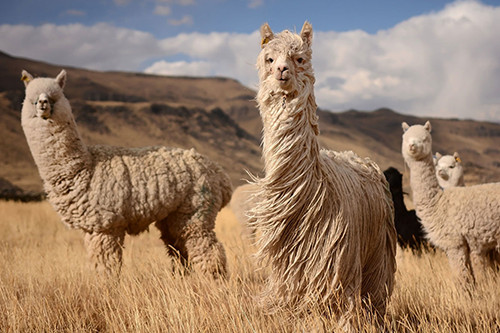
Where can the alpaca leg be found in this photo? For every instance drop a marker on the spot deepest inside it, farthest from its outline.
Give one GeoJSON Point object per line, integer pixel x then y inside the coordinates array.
{"type": "Point", "coordinates": [459, 259]}
{"type": "Point", "coordinates": [350, 309]}
{"type": "Point", "coordinates": [478, 262]}
{"type": "Point", "coordinates": [205, 252]}
{"type": "Point", "coordinates": [194, 243]}
{"type": "Point", "coordinates": [105, 251]}
{"type": "Point", "coordinates": [170, 236]}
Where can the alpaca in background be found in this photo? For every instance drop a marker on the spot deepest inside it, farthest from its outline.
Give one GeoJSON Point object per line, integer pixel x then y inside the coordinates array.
{"type": "Point", "coordinates": [108, 192]}
{"type": "Point", "coordinates": [449, 170]}
{"type": "Point", "coordinates": [463, 221]}
{"type": "Point", "coordinates": [241, 203]}
{"type": "Point", "coordinates": [325, 217]}
{"type": "Point", "coordinates": [410, 231]}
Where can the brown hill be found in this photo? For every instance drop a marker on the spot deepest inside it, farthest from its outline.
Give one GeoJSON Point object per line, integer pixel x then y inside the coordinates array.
{"type": "Point", "coordinates": [219, 118]}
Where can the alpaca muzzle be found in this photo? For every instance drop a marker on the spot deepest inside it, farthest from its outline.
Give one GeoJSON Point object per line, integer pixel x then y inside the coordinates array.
{"type": "Point", "coordinates": [44, 106]}
{"type": "Point", "coordinates": [443, 174]}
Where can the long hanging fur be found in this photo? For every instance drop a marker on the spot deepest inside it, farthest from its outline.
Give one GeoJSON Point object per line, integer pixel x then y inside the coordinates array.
{"type": "Point", "coordinates": [326, 218]}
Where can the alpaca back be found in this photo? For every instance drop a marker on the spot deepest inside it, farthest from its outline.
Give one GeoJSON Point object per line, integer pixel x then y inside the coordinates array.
{"type": "Point", "coordinates": [473, 211]}
{"type": "Point", "coordinates": [157, 179]}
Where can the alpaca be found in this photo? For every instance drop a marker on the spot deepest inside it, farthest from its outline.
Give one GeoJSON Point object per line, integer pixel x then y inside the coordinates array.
{"type": "Point", "coordinates": [463, 221]}
{"type": "Point", "coordinates": [449, 170]}
{"type": "Point", "coordinates": [241, 203]}
{"type": "Point", "coordinates": [108, 192]}
{"type": "Point", "coordinates": [410, 231]}
{"type": "Point", "coordinates": [325, 217]}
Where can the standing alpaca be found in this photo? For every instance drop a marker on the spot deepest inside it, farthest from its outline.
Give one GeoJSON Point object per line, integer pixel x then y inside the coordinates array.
{"type": "Point", "coordinates": [449, 170]}
{"type": "Point", "coordinates": [410, 231]}
{"type": "Point", "coordinates": [109, 191]}
{"type": "Point", "coordinates": [462, 221]}
{"type": "Point", "coordinates": [326, 217]}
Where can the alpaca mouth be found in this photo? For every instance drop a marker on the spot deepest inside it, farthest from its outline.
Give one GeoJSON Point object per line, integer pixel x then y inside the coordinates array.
{"type": "Point", "coordinates": [443, 175]}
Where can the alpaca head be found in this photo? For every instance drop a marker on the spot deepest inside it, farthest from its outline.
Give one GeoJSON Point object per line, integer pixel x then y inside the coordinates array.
{"type": "Point", "coordinates": [449, 169]}
{"type": "Point", "coordinates": [44, 96]}
{"type": "Point", "coordinates": [417, 141]}
{"type": "Point", "coordinates": [284, 62]}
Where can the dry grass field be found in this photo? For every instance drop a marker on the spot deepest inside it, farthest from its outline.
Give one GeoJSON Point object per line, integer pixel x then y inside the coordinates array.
{"type": "Point", "coordinates": [45, 286]}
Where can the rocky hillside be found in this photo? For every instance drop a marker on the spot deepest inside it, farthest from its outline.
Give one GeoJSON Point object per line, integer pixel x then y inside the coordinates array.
{"type": "Point", "coordinates": [218, 117]}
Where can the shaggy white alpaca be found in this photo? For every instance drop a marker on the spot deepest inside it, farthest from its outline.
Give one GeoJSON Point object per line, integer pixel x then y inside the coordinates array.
{"type": "Point", "coordinates": [326, 217]}
{"type": "Point", "coordinates": [110, 191]}
{"type": "Point", "coordinates": [449, 170]}
{"type": "Point", "coordinates": [462, 221]}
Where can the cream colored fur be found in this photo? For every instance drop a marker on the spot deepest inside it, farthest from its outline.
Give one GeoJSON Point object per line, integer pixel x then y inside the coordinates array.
{"type": "Point", "coordinates": [241, 203]}
{"type": "Point", "coordinates": [449, 170]}
{"type": "Point", "coordinates": [462, 221]}
{"type": "Point", "coordinates": [326, 217]}
{"type": "Point", "coordinates": [109, 191]}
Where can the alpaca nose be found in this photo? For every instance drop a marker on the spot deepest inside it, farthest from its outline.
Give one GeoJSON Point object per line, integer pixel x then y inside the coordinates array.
{"type": "Point", "coordinates": [443, 174]}
{"type": "Point", "coordinates": [282, 67]}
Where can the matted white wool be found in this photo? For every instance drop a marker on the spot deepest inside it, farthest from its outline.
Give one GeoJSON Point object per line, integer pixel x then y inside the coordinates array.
{"type": "Point", "coordinates": [463, 221]}
{"type": "Point", "coordinates": [108, 192]}
{"type": "Point", "coordinates": [325, 218]}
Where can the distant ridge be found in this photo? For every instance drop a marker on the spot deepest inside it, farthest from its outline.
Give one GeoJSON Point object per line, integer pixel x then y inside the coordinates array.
{"type": "Point", "coordinates": [218, 117]}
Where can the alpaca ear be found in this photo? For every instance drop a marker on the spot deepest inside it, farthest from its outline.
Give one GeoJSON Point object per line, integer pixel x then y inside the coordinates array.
{"type": "Point", "coordinates": [26, 77]}
{"type": "Point", "coordinates": [457, 157]}
{"type": "Point", "coordinates": [437, 156]}
{"type": "Point", "coordinates": [266, 34]}
{"type": "Point", "coordinates": [61, 79]}
{"type": "Point", "coordinates": [428, 126]}
{"type": "Point", "coordinates": [307, 33]}
{"type": "Point", "coordinates": [405, 126]}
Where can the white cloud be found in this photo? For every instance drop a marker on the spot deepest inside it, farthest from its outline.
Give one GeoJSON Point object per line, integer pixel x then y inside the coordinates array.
{"type": "Point", "coordinates": [230, 54]}
{"type": "Point", "coordinates": [162, 10]}
{"type": "Point", "coordinates": [181, 68]}
{"type": "Point", "coordinates": [99, 47]}
{"type": "Point", "coordinates": [443, 64]}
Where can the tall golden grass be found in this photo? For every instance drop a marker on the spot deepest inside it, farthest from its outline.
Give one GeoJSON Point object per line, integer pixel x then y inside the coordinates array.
{"type": "Point", "coordinates": [46, 286]}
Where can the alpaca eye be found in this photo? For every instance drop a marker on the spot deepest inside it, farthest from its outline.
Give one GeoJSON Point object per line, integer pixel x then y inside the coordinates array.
{"type": "Point", "coordinates": [270, 60]}
{"type": "Point", "coordinates": [300, 60]}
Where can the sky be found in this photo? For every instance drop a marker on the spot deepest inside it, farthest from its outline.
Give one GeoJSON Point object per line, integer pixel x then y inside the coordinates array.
{"type": "Point", "coordinates": [433, 58]}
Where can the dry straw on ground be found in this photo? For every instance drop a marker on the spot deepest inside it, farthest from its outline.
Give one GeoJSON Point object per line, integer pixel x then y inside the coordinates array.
{"type": "Point", "coordinates": [46, 286]}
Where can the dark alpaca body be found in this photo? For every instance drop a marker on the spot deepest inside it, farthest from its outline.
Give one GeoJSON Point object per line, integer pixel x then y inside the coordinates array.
{"type": "Point", "coordinates": [410, 231]}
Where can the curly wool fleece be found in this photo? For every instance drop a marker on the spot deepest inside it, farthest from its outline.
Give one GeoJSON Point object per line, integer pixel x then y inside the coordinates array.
{"type": "Point", "coordinates": [110, 191]}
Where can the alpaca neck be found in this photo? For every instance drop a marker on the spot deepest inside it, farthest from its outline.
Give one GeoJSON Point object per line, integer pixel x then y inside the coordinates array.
{"type": "Point", "coordinates": [58, 151]}
{"type": "Point", "coordinates": [424, 183]}
{"type": "Point", "coordinates": [399, 203]}
{"type": "Point", "coordinates": [290, 138]}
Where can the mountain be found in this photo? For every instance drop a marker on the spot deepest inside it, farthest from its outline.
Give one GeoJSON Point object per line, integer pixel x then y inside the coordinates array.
{"type": "Point", "coordinates": [218, 117]}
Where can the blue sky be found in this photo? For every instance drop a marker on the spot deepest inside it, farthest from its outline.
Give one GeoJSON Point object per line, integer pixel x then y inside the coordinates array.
{"type": "Point", "coordinates": [170, 17]}
{"type": "Point", "coordinates": [421, 57]}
